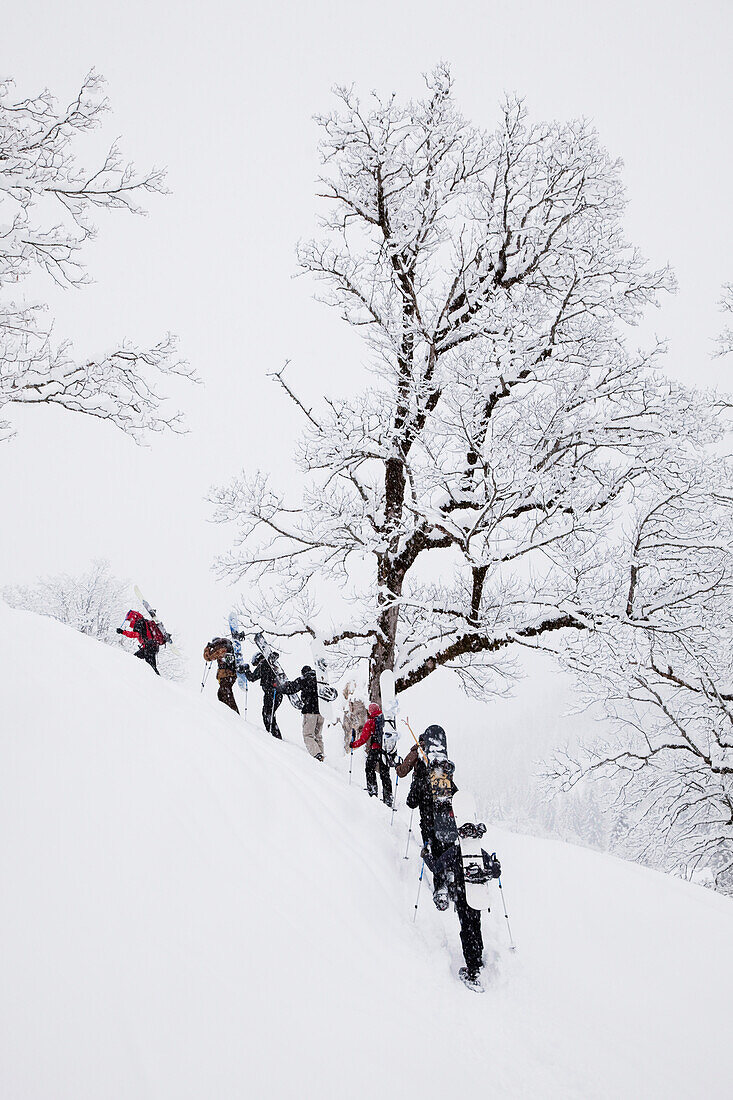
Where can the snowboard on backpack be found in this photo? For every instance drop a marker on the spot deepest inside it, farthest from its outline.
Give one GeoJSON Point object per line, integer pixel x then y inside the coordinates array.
{"type": "Point", "coordinates": [326, 693]}
{"type": "Point", "coordinates": [280, 678]}
{"type": "Point", "coordinates": [481, 886]}
{"type": "Point", "coordinates": [237, 644]}
{"type": "Point", "coordinates": [390, 706]}
{"type": "Point", "coordinates": [440, 780]}
{"type": "Point", "coordinates": [156, 620]}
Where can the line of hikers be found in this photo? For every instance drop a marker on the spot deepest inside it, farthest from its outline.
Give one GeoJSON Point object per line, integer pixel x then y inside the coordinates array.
{"type": "Point", "coordinates": [222, 651]}
{"type": "Point", "coordinates": [362, 726]}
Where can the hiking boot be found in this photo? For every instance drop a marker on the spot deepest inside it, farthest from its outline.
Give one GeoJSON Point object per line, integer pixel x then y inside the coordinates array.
{"type": "Point", "coordinates": [469, 975]}
{"type": "Point", "coordinates": [440, 897]}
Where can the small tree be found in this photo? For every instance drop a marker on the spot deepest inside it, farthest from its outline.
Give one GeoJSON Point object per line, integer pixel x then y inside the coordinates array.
{"type": "Point", "coordinates": [93, 603]}
{"type": "Point", "coordinates": [47, 198]}
{"type": "Point", "coordinates": [465, 503]}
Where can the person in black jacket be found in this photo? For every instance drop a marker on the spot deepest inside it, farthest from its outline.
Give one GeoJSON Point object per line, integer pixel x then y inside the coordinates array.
{"type": "Point", "coordinates": [420, 796]}
{"type": "Point", "coordinates": [307, 685]}
{"type": "Point", "coordinates": [443, 857]}
{"type": "Point", "coordinates": [272, 696]}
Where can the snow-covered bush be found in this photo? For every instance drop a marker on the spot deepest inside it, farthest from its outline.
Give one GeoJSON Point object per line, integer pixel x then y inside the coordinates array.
{"type": "Point", "coordinates": [94, 603]}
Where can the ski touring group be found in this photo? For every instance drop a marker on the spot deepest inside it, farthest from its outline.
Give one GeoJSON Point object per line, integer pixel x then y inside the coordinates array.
{"type": "Point", "coordinates": [462, 871]}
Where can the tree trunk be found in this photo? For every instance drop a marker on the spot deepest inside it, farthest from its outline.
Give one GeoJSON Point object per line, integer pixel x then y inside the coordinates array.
{"type": "Point", "coordinates": [383, 652]}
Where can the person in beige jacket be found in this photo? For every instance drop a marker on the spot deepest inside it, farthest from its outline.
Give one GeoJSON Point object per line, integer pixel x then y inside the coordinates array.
{"type": "Point", "coordinates": [354, 715]}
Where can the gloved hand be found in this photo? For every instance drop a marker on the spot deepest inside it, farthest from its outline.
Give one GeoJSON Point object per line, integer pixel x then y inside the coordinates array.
{"type": "Point", "coordinates": [120, 630]}
{"type": "Point", "coordinates": [351, 744]}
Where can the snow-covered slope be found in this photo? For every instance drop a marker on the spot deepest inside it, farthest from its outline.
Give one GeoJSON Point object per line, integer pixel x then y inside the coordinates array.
{"type": "Point", "coordinates": [192, 910]}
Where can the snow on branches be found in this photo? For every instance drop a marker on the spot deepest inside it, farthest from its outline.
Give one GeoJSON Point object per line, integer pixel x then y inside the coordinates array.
{"type": "Point", "coordinates": [725, 340]}
{"type": "Point", "coordinates": [665, 676]}
{"type": "Point", "coordinates": [476, 497]}
{"type": "Point", "coordinates": [47, 199]}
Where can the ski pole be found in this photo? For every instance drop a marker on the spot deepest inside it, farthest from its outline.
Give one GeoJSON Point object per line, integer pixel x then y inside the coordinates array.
{"type": "Point", "coordinates": [246, 696]}
{"type": "Point", "coordinates": [207, 669]}
{"type": "Point", "coordinates": [409, 833]}
{"type": "Point", "coordinates": [394, 798]}
{"type": "Point", "coordinates": [419, 746]}
{"type": "Point", "coordinates": [417, 899]}
{"type": "Point", "coordinates": [508, 926]}
{"type": "Point", "coordinates": [351, 761]}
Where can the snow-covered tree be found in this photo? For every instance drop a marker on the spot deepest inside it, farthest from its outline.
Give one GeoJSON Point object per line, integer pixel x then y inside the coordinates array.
{"type": "Point", "coordinates": [94, 603]}
{"type": "Point", "coordinates": [47, 199]}
{"type": "Point", "coordinates": [472, 499]}
{"type": "Point", "coordinates": [665, 674]}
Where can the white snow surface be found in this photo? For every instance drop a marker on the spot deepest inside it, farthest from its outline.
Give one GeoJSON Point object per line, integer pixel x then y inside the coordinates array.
{"type": "Point", "coordinates": [191, 909]}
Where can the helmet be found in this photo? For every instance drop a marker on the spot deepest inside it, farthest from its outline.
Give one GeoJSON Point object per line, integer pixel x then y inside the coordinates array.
{"type": "Point", "coordinates": [304, 669]}
{"type": "Point", "coordinates": [374, 710]}
{"type": "Point", "coordinates": [256, 658]}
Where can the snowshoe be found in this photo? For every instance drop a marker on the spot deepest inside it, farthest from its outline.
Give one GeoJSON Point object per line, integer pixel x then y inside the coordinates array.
{"type": "Point", "coordinates": [441, 898]}
{"type": "Point", "coordinates": [471, 979]}
{"type": "Point", "coordinates": [475, 873]}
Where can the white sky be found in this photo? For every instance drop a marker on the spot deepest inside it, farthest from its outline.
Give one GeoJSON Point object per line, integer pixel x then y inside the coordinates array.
{"type": "Point", "coordinates": [223, 94]}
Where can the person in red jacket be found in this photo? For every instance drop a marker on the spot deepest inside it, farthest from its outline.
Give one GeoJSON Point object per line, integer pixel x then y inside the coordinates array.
{"type": "Point", "coordinates": [147, 634]}
{"type": "Point", "coordinates": [371, 736]}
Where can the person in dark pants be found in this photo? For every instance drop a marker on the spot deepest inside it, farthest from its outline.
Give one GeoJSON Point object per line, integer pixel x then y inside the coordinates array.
{"type": "Point", "coordinates": [443, 857]}
{"type": "Point", "coordinates": [221, 650]}
{"type": "Point", "coordinates": [371, 736]}
{"type": "Point", "coordinates": [449, 885]}
{"type": "Point", "coordinates": [272, 696]}
{"type": "Point", "coordinates": [147, 634]}
{"type": "Point", "coordinates": [307, 685]}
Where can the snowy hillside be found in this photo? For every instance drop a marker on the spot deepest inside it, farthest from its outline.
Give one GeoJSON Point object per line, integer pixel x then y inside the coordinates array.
{"type": "Point", "coordinates": [193, 910]}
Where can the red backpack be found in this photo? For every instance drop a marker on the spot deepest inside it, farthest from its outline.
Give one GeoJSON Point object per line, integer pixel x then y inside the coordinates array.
{"type": "Point", "coordinates": [155, 634]}
{"type": "Point", "coordinates": [147, 630]}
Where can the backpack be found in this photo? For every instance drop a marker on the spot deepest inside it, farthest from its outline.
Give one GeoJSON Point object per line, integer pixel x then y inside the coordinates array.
{"type": "Point", "coordinates": [385, 734]}
{"type": "Point", "coordinates": [154, 633]}
{"type": "Point", "coordinates": [217, 650]}
{"type": "Point", "coordinates": [440, 780]}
